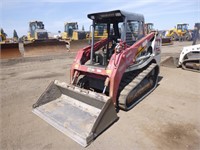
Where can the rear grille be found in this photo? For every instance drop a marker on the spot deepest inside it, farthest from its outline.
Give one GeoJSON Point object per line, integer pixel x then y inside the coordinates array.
{"type": "Point", "coordinates": [81, 35]}
{"type": "Point", "coordinates": [42, 35]}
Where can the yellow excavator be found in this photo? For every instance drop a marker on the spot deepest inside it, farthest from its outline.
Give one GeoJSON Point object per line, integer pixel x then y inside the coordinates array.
{"type": "Point", "coordinates": [74, 37]}
{"type": "Point", "coordinates": [179, 32]}
{"type": "Point", "coordinates": [9, 47]}
{"type": "Point", "coordinates": [38, 41]}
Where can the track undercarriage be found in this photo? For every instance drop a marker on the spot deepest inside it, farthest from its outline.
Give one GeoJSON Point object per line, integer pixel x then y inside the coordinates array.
{"type": "Point", "coordinates": [135, 86]}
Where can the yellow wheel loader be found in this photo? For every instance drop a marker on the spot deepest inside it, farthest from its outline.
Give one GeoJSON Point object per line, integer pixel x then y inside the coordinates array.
{"type": "Point", "coordinates": [149, 27]}
{"type": "Point", "coordinates": [180, 32]}
{"type": "Point", "coordinates": [74, 38]}
{"type": "Point", "coordinates": [8, 47]}
{"type": "Point", "coordinates": [39, 43]}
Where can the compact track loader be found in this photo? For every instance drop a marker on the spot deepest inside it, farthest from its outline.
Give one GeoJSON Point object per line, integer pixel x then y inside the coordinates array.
{"type": "Point", "coordinates": [39, 43]}
{"type": "Point", "coordinates": [189, 59]}
{"type": "Point", "coordinates": [114, 73]}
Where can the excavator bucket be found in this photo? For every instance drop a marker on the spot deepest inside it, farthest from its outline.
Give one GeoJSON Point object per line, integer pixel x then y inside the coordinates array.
{"type": "Point", "coordinates": [10, 50]}
{"type": "Point", "coordinates": [44, 47]}
{"type": "Point", "coordinates": [78, 113]}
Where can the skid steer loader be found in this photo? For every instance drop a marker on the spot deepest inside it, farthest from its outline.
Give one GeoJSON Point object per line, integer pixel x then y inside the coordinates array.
{"type": "Point", "coordinates": [189, 59]}
{"type": "Point", "coordinates": [114, 73]}
{"type": "Point", "coordinates": [39, 43]}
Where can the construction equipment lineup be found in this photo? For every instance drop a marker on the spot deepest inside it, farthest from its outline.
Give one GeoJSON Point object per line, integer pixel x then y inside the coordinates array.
{"type": "Point", "coordinates": [117, 65]}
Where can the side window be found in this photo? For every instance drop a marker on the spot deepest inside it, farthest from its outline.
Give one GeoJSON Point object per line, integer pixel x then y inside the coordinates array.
{"type": "Point", "coordinates": [66, 28]}
{"type": "Point", "coordinates": [184, 27]}
{"type": "Point", "coordinates": [121, 27]}
{"type": "Point", "coordinates": [141, 30]}
{"type": "Point", "coordinates": [33, 27]}
{"type": "Point", "coordinates": [179, 27]}
{"type": "Point", "coordinates": [133, 27]}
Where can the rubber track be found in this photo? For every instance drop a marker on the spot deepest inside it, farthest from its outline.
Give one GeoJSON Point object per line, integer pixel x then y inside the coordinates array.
{"type": "Point", "coordinates": [130, 86]}
{"type": "Point", "coordinates": [185, 68]}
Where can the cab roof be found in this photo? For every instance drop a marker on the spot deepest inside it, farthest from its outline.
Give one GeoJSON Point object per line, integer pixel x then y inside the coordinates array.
{"type": "Point", "coordinates": [115, 16]}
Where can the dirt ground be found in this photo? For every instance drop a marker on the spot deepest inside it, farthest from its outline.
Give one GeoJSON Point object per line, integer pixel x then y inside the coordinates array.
{"type": "Point", "coordinates": [167, 119]}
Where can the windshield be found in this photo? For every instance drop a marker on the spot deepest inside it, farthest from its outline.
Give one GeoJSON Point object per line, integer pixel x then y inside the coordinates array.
{"type": "Point", "coordinates": [185, 27]}
{"type": "Point", "coordinates": [71, 26]}
{"type": "Point", "coordinates": [150, 26]}
{"type": "Point", "coordinates": [182, 27]}
{"type": "Point", "coordinates": [36, 25]}
{"type": "Point", "coordinates": [40, 25]}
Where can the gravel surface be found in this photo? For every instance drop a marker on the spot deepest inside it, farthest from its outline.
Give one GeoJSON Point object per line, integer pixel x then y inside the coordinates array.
{"type": "Point", "coordinates": [166, 119]}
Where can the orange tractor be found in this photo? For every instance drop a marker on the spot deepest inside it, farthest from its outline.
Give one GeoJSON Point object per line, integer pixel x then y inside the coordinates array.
{"type": "Point", "coordinates": [114, 73]}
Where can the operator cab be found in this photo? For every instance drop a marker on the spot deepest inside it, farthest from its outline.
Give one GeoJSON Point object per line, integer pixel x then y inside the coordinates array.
{"type": "Point", "coordinates": [182, 27]}
{"type": "Point", "coordinates": [36, 29]}
{"type": "Point", "coordinates": [120, 26]}
{"type": "Point", "coordinates": [70, 27]}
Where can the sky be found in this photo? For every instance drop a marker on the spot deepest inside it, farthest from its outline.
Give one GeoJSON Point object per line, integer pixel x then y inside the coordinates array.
{"type": "Point", "coordinates": [165, 14]}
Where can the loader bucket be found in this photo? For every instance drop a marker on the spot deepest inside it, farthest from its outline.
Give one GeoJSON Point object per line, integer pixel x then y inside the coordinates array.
{"type": "Point", "coordinates": [80, 114]}
{"type": "Point", "coordinates": [46, 47]}
{"type": "Point", "coordinates": [10, 50]}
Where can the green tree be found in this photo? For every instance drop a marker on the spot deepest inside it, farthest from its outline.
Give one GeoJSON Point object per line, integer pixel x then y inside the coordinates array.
{"type": "Point", "coordinates": [15, 36]}
{"type": "Point", "coordinates": [3, 33]}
